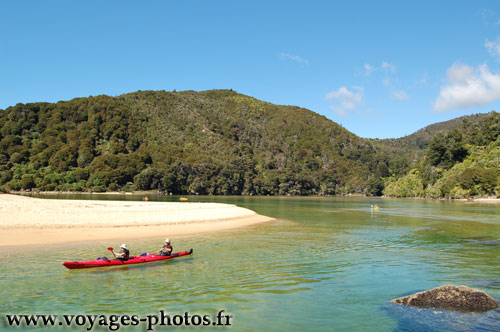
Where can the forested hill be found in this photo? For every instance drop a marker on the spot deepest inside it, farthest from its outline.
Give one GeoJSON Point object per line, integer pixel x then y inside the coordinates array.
{"type": "Point", "coordinates": [420, 140]}
{"type": "Point", "coordinates": [455, 159]}
{"type": "Point", "coordinates": [211, 142]}
{"type": "Point", "coordinates": [222, 142]}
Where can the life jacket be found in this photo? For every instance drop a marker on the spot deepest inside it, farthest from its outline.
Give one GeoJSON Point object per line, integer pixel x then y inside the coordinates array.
{"type": "Point", "coordinates": [165, 249]}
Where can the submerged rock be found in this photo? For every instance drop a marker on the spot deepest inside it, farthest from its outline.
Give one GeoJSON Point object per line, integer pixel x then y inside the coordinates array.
{"type": "Point", "coordinates": [417, 319]}
{"type": "Point", "coordinates": [451, 297]}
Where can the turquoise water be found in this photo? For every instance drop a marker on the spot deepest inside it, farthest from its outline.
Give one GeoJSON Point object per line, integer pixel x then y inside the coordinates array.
{"type": "Point", "coordinates": [325, 264]}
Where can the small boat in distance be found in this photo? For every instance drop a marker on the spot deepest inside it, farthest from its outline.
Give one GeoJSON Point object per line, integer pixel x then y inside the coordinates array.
{"type": "Point", "coordinates": [183, 199]}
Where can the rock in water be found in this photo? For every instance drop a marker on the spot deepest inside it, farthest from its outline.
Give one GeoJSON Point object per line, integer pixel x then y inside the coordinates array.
{"type": "Point", "coordinates": [451, 297]}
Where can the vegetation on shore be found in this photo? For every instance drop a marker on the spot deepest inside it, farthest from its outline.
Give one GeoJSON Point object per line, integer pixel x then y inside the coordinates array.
{"type": "Point", "coordinates": [212, 142]}
{"type": "Point", "coordinates": [462, 162]}
{"type": "Point", "coordinates": [221, 142]}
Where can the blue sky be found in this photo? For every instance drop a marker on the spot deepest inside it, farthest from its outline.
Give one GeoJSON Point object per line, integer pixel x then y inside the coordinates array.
{"type": "Point", "coordinates": [379, 68]}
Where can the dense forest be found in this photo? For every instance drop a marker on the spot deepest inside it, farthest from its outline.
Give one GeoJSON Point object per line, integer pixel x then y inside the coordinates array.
{"type": "Point", "coordinates": [459, 159]}
{"type": "Point", "coordinates": [224, 143]}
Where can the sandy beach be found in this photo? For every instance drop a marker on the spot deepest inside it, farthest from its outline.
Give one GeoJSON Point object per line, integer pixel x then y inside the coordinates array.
{"type": "Point", "coordinates": [35, 221]}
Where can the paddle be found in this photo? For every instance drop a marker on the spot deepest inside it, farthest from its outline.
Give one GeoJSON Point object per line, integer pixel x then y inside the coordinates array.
{"type": "Point", "coordinates": [111, 249]}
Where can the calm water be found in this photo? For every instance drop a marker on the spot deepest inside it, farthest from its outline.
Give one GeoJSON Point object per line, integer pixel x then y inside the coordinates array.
{"type": "Point", "coordinates": [326, 264]}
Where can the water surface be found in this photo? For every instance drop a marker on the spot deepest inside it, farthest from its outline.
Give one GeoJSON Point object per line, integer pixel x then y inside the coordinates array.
{"type": "Point", "coordinates": [325, 264]}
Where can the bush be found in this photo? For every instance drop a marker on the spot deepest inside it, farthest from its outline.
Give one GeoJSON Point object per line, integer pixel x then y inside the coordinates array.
{"type": "Point", "coordinates": [409, 185]}
{"type": "Point", "coordinates": [27, 182]}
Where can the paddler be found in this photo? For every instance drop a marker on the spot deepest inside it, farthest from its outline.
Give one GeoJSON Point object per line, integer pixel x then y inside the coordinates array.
{"type": "Point", "coordinates": [124, 253]}
{"type": "Point", "coordinates": [166, 250]}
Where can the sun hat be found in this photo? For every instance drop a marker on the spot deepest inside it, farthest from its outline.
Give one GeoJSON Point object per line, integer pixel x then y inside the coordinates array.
{"type": "Point", "coordinates": [123, 246]}
{"type": "Point", "coordinates": [167, 240]}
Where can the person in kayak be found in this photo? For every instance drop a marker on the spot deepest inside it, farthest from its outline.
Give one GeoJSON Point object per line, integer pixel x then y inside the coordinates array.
{"type": "Point", "coordinates": [166, 250]}
{"type": "Point", "coordinates": [124, 253]}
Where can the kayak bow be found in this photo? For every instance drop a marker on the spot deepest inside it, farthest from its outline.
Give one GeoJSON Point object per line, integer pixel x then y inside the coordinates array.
{"type": "Point", "coordinates": [115, 262]}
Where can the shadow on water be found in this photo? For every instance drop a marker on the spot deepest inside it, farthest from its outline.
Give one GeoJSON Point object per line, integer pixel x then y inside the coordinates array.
{"type": "Point", "coordinates": [485, 240]}
{"type": "Point", "coordinates": [478, 238]}
{"type": "Point", "coordinates": [437, 320]}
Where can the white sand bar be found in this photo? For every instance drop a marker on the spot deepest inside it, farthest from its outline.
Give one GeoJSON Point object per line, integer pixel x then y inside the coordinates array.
{"type": "Point", "coordinates": [25, 220]}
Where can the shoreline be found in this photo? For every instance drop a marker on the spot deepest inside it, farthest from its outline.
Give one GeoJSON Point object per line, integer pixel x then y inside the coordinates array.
{"type": "Point", "coordinates": [491, 200]}
{"type": "Point", "coordinates": [26, 221]}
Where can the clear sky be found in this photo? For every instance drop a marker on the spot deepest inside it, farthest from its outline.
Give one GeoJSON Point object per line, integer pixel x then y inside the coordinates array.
{"type": "Point", "coordinates": [379, 68]}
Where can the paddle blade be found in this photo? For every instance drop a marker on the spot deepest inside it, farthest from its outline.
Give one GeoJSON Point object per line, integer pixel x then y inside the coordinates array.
{"type": "Point", "coordinates": [110, 248]}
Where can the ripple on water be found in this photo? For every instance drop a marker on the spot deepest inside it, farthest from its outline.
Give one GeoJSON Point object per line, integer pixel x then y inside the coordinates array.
{"type": "Point", "coordinates": [484, 240]}
{"type": "Point", "coordinates": [486, 283]}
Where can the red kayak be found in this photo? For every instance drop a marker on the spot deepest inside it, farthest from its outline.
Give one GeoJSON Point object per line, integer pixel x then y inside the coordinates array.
{"type": "Point", "coordinates": [132, 260]}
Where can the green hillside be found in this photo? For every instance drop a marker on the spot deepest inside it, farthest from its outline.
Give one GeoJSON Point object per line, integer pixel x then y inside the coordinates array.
{"type": "Point", "coordinates": [413, 146]}
{"type": "Point", "coordinates": [224, 143]}
{"type": "Point", "coordinates": [460, 159]}
{"type": "Point", "coordinates": [211, 142]}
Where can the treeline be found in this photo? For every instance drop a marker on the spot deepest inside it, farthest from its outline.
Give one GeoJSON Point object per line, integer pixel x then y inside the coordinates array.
{"type": "Point", "coordinates": [212, 142]}
{"type": "Point", "coordinates": [462, 163]}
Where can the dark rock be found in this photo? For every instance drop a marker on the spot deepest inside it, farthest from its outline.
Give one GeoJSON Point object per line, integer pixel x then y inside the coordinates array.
{"type": "Point", "coordinates": [451, 297]}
